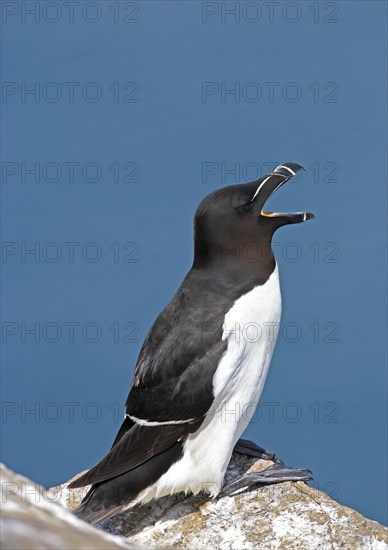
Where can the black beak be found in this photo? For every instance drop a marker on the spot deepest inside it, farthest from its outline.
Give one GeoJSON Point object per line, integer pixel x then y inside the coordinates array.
{"type": "Point", "coordinates": [290, 217]}
{"type": "Point", "coordinates": [273, 181]}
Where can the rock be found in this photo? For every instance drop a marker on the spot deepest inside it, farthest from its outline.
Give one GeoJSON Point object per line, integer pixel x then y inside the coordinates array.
{"type": "Point", "coordinates": [285, 516]}
{"type": "Point", "coordinates": [31, 521]}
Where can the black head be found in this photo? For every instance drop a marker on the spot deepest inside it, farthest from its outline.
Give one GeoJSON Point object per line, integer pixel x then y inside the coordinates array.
{"type": "Point", "coordinates": [231, 223]}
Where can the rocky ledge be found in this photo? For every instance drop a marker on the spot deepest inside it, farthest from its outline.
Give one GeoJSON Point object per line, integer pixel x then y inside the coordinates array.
{"type": "Point", "coordinates": [286, 516]}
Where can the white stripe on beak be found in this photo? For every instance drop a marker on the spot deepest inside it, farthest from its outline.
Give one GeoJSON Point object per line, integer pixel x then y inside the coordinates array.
{"type": "Point", "coordinates": [286, 168]}
{"type": "Point", "coordinates": [260, 186]}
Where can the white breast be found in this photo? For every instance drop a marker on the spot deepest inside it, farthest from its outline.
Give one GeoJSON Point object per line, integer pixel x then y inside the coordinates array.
{"type": "Point", "coordinates": [250, 328]}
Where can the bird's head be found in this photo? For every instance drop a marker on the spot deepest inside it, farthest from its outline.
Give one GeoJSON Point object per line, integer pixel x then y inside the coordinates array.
{"type": "Point", "coordinates": [231, 222]}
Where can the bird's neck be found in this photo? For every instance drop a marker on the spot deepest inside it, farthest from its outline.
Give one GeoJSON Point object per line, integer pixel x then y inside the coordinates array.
{"type": "Point", "coordinates": [237, 261]}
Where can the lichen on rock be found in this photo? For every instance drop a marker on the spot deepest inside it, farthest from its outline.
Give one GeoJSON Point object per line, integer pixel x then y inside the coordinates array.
{"type": "Point", "coordinates": [290, 516]}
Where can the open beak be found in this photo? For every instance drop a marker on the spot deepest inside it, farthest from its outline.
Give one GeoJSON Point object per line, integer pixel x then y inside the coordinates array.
{"type": "Point", "coordinates": [273, 181]}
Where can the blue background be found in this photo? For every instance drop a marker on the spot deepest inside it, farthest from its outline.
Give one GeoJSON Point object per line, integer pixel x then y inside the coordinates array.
{"type": "Point", "coordinates": [327, 391]}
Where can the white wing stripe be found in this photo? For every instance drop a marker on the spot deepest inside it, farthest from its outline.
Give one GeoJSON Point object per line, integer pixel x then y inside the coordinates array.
{"type": "Point", "coordinates": [143, 422]}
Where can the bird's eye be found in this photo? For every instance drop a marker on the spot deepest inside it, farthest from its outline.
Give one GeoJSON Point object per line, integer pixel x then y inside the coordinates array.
{"type": "Point", "coordinates": [245, 206]}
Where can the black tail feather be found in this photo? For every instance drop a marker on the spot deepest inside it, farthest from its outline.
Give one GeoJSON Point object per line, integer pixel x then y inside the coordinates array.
{"type": "Point", "coordinates": [110, 497]}
{"type": "Point", "coordinates": [92, 511]}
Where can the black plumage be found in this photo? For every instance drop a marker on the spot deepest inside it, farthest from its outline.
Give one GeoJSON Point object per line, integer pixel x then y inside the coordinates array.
{"type": "Point", "coordinates": [172, 390]}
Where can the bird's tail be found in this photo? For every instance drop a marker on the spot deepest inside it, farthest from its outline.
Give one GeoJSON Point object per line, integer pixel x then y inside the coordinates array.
{"type": "Point", "coordinates": [107, 498]}
{"type": "Point", "coordinates": [93, 510]}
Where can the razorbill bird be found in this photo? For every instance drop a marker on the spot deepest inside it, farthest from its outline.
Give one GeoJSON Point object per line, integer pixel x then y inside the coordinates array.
{"type": "Point", "coordinates": [203, 364]}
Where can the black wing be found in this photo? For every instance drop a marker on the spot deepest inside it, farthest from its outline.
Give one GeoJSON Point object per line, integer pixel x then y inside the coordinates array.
{"type": "Point", "coordinates": [187, 396]}
{"type": "Point", "coordinates": [173, 379]}
{"type": "Point", "coordinates": [173, 385]}
{"type": "Point", "coordinates": [138, 445]}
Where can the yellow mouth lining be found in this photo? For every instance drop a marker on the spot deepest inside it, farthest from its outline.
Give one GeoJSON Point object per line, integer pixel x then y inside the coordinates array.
{"type": "Point", "coordinates": [268, 214]}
